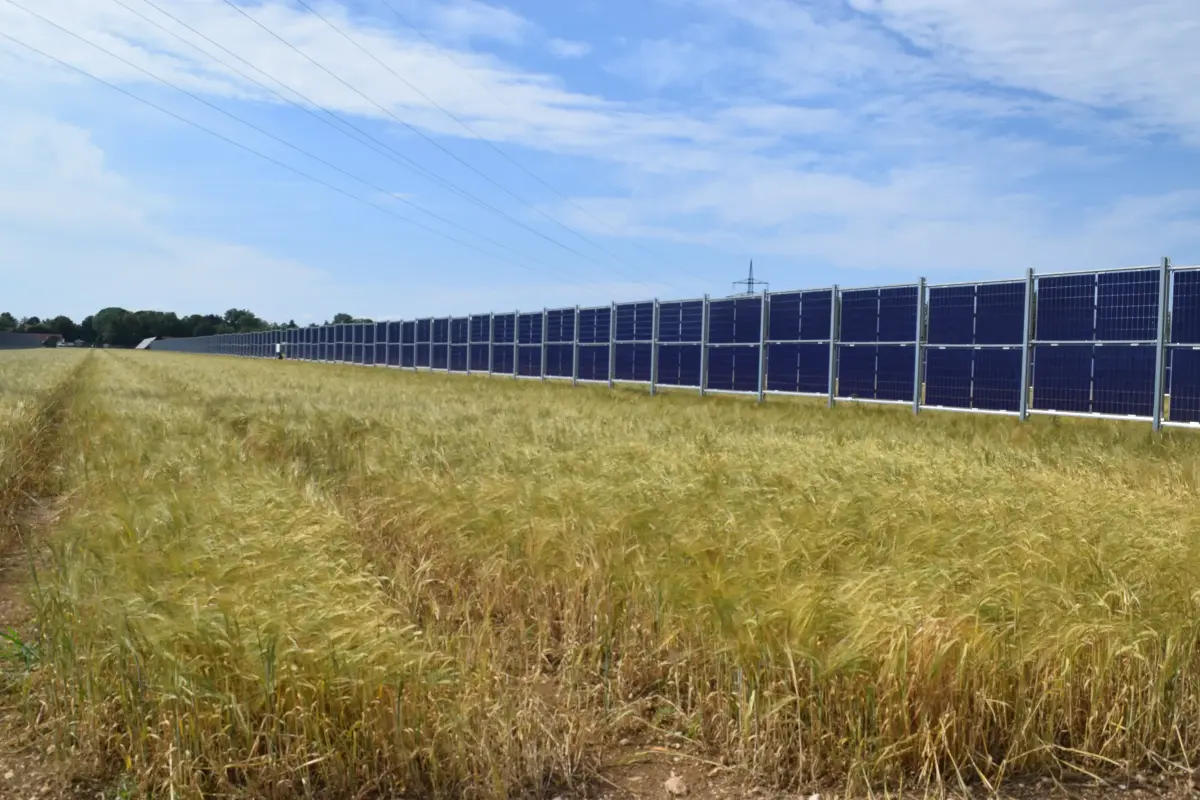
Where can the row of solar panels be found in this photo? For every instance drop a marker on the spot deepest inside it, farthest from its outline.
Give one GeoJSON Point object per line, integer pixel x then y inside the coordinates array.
{"type": "Point", "coordinates": [1093, 346]}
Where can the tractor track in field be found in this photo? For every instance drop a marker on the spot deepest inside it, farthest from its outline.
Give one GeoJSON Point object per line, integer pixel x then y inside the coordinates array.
{"type": "Point", "coordinates": [30, 504]}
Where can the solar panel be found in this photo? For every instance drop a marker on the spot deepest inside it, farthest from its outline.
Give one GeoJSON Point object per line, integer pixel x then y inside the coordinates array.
{"type": "Point", "coordinates": [860, 317]}
{"type": "Point", "coordinates": [559, 359]}
{"type": "Point", "coordinates": [997, 379]}
{"type": "Point", "coordinates": [1185, 381]}
{"type": "Point", "coordinates": [951, 315]}
{"type": "Point", "coordinates": [679, 364]}
{"type": "Point", "coordinates": [797, 367]}
{"type": "Point", "coordinates": [635, 322]}
{"type": "Point", "coordinates": [1066, 308]}
{"type": "Point", "coordinates": [1127, 306]}
{"type": "Point", "coordinates": [1000, 313]}
{"type": "Point", "coordinates": [784, 324]}
{"type": "Point", "coordinates": [593, 363]}
{"type": "Point", "coordinates": [1185, 310]}
{"type": "Point", "coordinates": [632, 362]}
{"type": "Point", "coordinates": [948, 375]}
{"type": "Point", "coordinates": [681, 321]}
{"type": "Point", "coordinates": [1062, 376]}
{"type": "Point", "coordinates": [898, 315]}
{"type": "Point", "coordinates": [1123, 381]}
{"type": "Point", "coordinates": [733, 369]}
{"type": "Point", "coordinates": [856, 371]}
{"type": "Point", "coordinates": [894, 367]}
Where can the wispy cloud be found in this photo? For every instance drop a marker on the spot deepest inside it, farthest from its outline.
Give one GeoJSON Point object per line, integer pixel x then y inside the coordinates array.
{"type": "Point", "coordinates": [565, 48]}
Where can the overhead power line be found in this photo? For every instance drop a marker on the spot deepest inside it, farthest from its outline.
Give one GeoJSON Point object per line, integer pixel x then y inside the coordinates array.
{"type": "Point", "coordinates": [442, 51]}
{"type": "Point", "coordinates": [273, 137]}
{"type": "Point", "coordinates": [407, 125]}
{"type": "Point", "coordinates": [358, 45]}
{"type": "Point", "coordinates": [373, 143]}
{"type": "Point", "coordinates": [254, 152]}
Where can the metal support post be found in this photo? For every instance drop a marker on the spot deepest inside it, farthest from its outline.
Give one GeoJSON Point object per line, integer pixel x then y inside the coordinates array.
{"type": "Point", "coordinates": [764, 313]}
{"type": "Point", "coordinates": [704, 348]}
{"type": "Point", "coordinates": [470, 318]}
{"type": "Point", "coordinates": [575, 351]}
{"type": "Point", "coordinates": [516, 334]}
{"type": "Point", "coordinates": [491, 339]}
{"type": "Point", "coordinates": [545, 314]}
{"type": "Point", "coordinates": [1160, 347]}
{"type": "Point", "coordinates": [834, 325]}
{"type": "Point", "coordinates": [918, 376]}
{"type": "Point", "coordinates": [1026, 348]}
{"type": "Point", "coordinates": [612, 347]}
{"type": "Point", "coordinates": [654, 351]}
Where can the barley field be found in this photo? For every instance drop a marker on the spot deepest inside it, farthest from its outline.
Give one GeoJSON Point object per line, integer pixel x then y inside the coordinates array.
{"type": "Point", "coordinates": [276, 579]}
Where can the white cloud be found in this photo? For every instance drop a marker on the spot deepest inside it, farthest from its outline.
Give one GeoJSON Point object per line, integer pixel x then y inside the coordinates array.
{"type": "Point", "coordinates": [77, 234]}
{"type": "Point", "coordinates": [565, 48]}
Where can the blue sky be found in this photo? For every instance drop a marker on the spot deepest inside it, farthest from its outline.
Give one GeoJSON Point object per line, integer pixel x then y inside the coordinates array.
{"type": "Point", "coordinates": [661, 144]}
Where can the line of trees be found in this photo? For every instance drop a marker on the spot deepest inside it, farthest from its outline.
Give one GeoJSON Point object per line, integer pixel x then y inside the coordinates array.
{"type": "Point", "coordinates": [118, 327]}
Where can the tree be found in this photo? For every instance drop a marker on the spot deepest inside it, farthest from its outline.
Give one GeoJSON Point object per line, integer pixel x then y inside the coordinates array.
{"type": "Point", "coordinates": [8, 322]}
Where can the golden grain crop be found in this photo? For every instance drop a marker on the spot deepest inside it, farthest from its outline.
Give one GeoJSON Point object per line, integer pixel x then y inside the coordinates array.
{"type": "Point", "coordinates": [279, 577]}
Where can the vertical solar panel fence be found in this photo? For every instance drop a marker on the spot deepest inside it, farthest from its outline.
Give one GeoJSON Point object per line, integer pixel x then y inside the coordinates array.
{"type": "Point", "coordinates": [732, 349]}
{"type": "Point", "coordinates": [680, 343]}
{"type": "Point", "coordinates": [460, 328]}
{"type": "Point", "coordinates": [504, 341]}
{"type": "Point", "coordinates": [974, 341]}
{"type": "Point", "coordinates": [1095, 343]}
{"type": "Point", "coordinates": [424, 343]}
{"type": "Point", "coordinates": [529, 344]}
{"type": "Point", "coordinates": [381, 343]}
{"type": "Point", "coordinates": [480, 347]}
{"type": "Point", "coordinates": [633, 342]}
{"type": "Point", "coordinates": [392, 344]}
{"type": "Point", "coordinates": [408, 344]}
{"type": "Point", "coordinates": [798, 342]}
{"type": "Point", "coordinates": [441, 344]}
{"type": "Point", "coordinates": [595, 344]}
{"type": "Point", "coordinates": [1183, 348]}
{"type": "Point", "coordinates": [560, 343]}
{"type": "Point", "coordinates": [877, 344]}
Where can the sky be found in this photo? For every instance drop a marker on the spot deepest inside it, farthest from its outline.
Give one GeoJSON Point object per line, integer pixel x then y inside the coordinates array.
{"type": "Point", "coordinates": [403, 158]}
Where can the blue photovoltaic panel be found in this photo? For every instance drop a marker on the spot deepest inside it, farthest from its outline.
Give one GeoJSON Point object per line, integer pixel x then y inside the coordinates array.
{"type": "Point", "coordinates": [424, 330]}
{"type": "Point", "coordinates": [856, 371]}
{"type": "Point", "coordinates": [860, 317]}
{"type": "Point", "coordinates": [1066, 308]}
{"type": "Point", "coordinates": [795, 367]}
{"type": "Point", "coordinates": [733, 369]}
{"type": "Point", "coordinates": [358, 354]}
{"type": "Point", "coordinates": [594, 326]}
{"type": "Point", "coordinates": [560, 325]}
{"type": "Point", "coordinates": [529, 361]}
{"type": "Point", "coordinates": [1127, 306]}
{"type": "Point", "coordinates": [393, 355]}
{"type": "Point", "coordinates": [1000, 313]}
{"type": "Point", "coordinates": [529, 328]}
{"type": "Point", "coordinates": [459, 330]}
{"type": "Point", "coordinates": [480, 327]}
{"type": "Point", "coordinates": [393, 333]}
{"type": "Point", "coordinates": [422, 354]}
{"type": "Point", "coordinates": [1123, 381]}
{"type": "Point", "coordinates": [441, 356]}
{"type": "Point", "coordinates": [681, 322]}
{"type": "Point", "coordinates": [894, 371]}
{"type": "Point", "coordinates": [593, 363]}
{"type": "Point", "coordinates": [359, 330]}
{"type": "Point", "coordinates": [1062, 377]}
{"type": "Point", "coordinates": [1185, 310]}
{"type": "Point", "coordinates": [408, 355]}
{"type": "Point", "coordinates": [951, 315]}
{"type": "Point", "coordinates": [441, 331]}
{"type": "Point", "coordinates": [1185, 381]}
{"type": "Point", "coordinates": [747, 324]}
{"type": "Point", "coordinates": [816, 309]}
{"type": "Point", "coordinates": [997, 380]}
{"type": "Point", "coordinates": [721, 321]}
{"type": "Point", "coordinates": [898, 314]}
{"type": "Point", "coordinates": [635, 322]}
{"type": "Point", "coordinates": [458, 358]}
{"type": "Point", "coordinates": [408, 333]}
{"type": "Point", "coordinates": [322, 334]}
{"type": "Point", "coordinates": [633, 362]}
{"type": "Point", "coordinates": [502, 359]}
{"type": "Point", "coordinates": [947, 374]}
{"type": "Point", "coordinates": [368, 334]}
{"type": "Point", "coordinates": [558, 360]}
{"type": "Point", "coordinates": [679, 364]}
{"type": "Point", "coordinates": [381, 332]}
{"type": "Point", "coordinates": [479, 357]}
{"type": "Point", "coordinates": [339, 333]}
{"type": "Point", "coordinates": [339, 351]}
{"type": "Point", "coordinates": [784, 324]}
{"type": "Point", "coordinates": [504, 329]}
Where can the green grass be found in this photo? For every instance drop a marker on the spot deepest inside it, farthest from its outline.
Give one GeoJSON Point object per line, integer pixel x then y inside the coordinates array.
{"type": "Point", "coordinates": [279, 578]}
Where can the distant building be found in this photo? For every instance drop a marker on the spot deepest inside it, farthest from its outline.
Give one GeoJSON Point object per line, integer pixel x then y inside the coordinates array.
{"type": "Point", "coordinates": [27, 341]}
